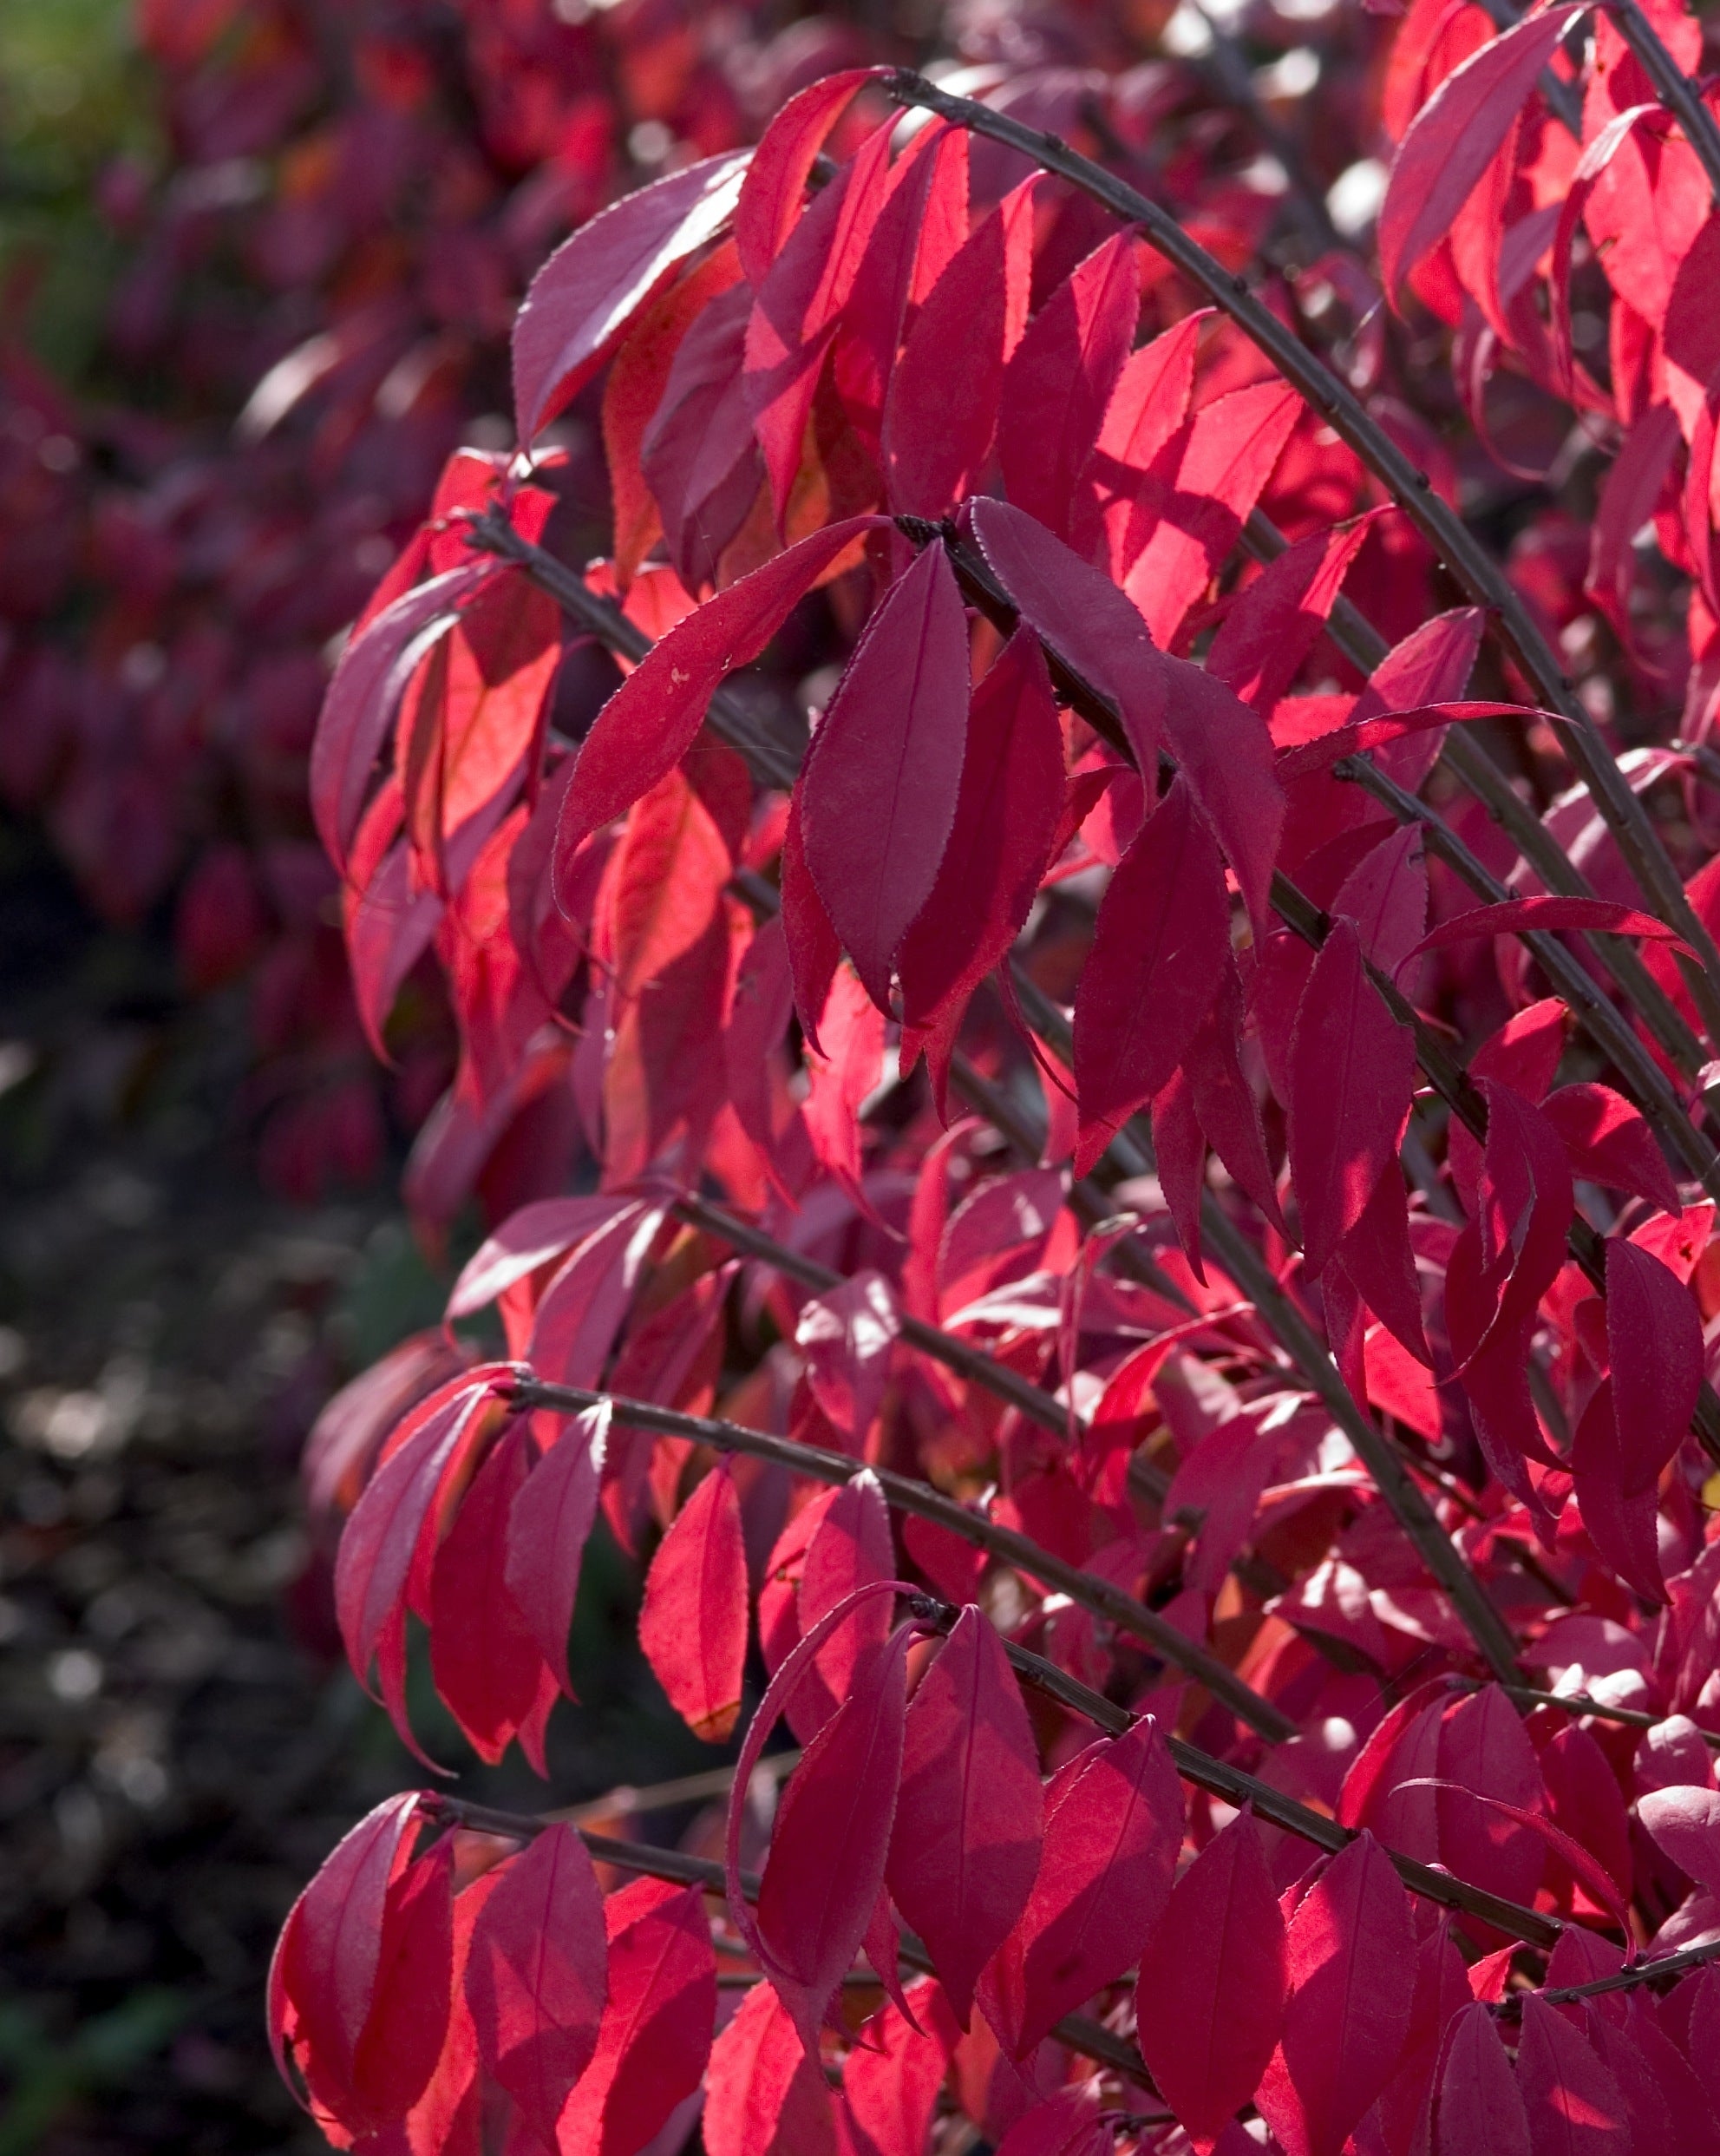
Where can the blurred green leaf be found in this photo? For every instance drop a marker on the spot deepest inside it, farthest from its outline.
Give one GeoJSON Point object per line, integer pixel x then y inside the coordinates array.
{"type": "Point", "coordinates": [49, 2077]}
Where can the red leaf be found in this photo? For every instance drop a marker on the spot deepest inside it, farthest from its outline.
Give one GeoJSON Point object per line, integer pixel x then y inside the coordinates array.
{"type": "Point", "coordinates": [1609, 1143]}
{"type": "Point", "coordinates": [1060, 380]}
{"type": "Point", "coordinates": [1225, 755]}
{"type": "Point", "coordinates": [1083, 617]}
{"type": "Point", "coordinates": [1572, 2103]}
{"type": "Point", "coordinates": [637, 384]}
{"type": "Point", "coordinates": [1549, 915]}
{"type": "Point", "coordinates": [1664, 2093]}
{"type": "Point", "coordinates": [1352, 1952]}
{"type": "Point", "coordinates": [1629, 493]}
{"type": "Point", "coordinates": [1224, 1101]}
{"type": "Point", "coordinates": [655, 2036]}
{"type": "Point", "coordinates": [1685, 1824]}
{"type": "Point", "coordinates": [846, 1334]}
{"type": "Point", "coordinates": [1623, 1529]}
{"type": "Point", "coordinates": [828, 1841]}
{"type": "Point", "coordinates": [410, 2006]}
{"type": "Point", "coordinates": [1454, 139]}
{"type": "Point", "coordinates": [461, 754]}
{"type": "Point", "coordinates": [579, 1313]}
{"type": "Point", "coordinates": [813, 953]}
{"type": "Point", "coordinates": [484, 1659]}
{"type": "Point", "coordinates": [921, 228]}
{"type": "Point", "coordinates": [1379, 1259]}
{"type": "Point", "coordinates": [547, 1525]}
{"type": "Point", "coordinates": [879, 793]}
{"type": "Point", "coordinates": [1159, 948]}
{"type": "Point", "coordinates": [941, 412]}
{"type": "Point", "coordinates": [330, 1949]}
{"type": "Point", "coordinates": [1223, 747]}
{"type": "Point", "coordinates": [1598, 153]}
{"type": "Point", "coordinates": [693, 1623]}
{"type": "Point", "coordinates": [783, 1684]}
{"type": "Point", "coordinates": [758, 1019]}
{"type": "Point", "coordinates": [1478, 2110]}
{"type": "Point", "coordinates": [388, 925]}
{"type": "Point", "coordinates": [765, 2094]}
{"type": "Point", "coordinates": [1485, 1751]}
{"type": "Point", "coordinates": [774, 187]}
{"type": "Point", "coordinates": [651, 721]}
{"type": "Point", "coordinates": [1210, 1995]}
{"type": "Point", "coordinates": [849, 1548]}
{"type": "Point", "coordinates": [1382, 730]}
{"type": "Point", "coordinates": [1113, 1829]}
{"type": "Point", "coordinates": [1195, 497]}
{"type": "Point", "coordinates": [526, 1239]}
{"type": "Point", "coordinates": [1277, 619]}
{"type": "Point", "coordinates": [970, 1816]}
{"type": "Point", "coordinates": [1524, 1202]}
{"type": "Point", "coordinates": [698, 454]}
{"type": "Point", "coordinates": [381, 1540]}
{"type": "Point", "coordinates": [1386, 895]}
{"type": "Point", "coordinates": [366, 691]}
{"type": "Point", "coordinates": [1351, 1066]}
{"type": "Point", "coordinates": [1593, 1875]}
{"type": "Point", "coordinates": [1147, 406]}
{"type": "Point", "coordinates": [842, 1071]}
{"type": "Point", "coordinates": [1067, 2125]}
{"type": "Point", "coordinates": [593, 286]}
{"type": "Point", "coordinates": [794, 319]}
{"type": "Point", "coordinates": [1584, 1800]}
{"type": "Point", "coordinates": [1654, 1339]}
{"type": "Point", "coordinates": [892, 2078]}
{"type": "Point", "coordinates": [1006, 819]}
{"type": "Point", "coordinates": [537, 1975]}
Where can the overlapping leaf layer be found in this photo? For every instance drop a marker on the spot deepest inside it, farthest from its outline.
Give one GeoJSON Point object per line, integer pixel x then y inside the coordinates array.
{"type": "Point", "coordinates": [1213, 1469]}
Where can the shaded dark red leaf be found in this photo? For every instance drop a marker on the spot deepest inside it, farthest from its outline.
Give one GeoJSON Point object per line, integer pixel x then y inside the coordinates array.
{"type": "Point", "coordinates": [970, 1815]}
{"type": "Point", "coordinates": [1210, 1995]}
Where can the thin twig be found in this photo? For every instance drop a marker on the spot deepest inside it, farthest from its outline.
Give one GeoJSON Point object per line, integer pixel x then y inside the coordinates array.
{"type": "Point", "coordinates": [1218, 1778]}
{"type": "Point", "coordinates": [1662, 1970]}
{"type": "Point", "coordinates": [1676, 90]}
{"type": "Point", "coordinates": [1463, 554]}
{"type": "Point", "coordinates": [1076, 2030]}
{"type": "Point", "coordinates": [1476, 772]}
{"type": "Point", "coordinates": [962, 1356]}
{"type": "Point", "coordinates": [1391, 1477]}
{"type": "Point", "coordinates": [906, 1494]}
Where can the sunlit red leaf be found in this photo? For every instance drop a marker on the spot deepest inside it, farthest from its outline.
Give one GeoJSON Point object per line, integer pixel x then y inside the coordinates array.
{"type": "Point", "coordinates": [655, 2036]}
{"type": "Point", "coordinates": [693, 1625]}
{"type": "Point", "coordinates": [1113, 1829]}
{"type": "Point", "coordinates": [537, 1975]}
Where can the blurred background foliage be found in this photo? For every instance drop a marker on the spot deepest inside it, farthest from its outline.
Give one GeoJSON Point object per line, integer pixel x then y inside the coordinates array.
{"type": "Point", "coordinates": [73, 97]}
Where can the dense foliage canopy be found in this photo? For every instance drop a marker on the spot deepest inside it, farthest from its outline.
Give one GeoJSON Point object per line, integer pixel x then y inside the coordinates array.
{"type": "Point", "coordinates": [1054, 794]}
